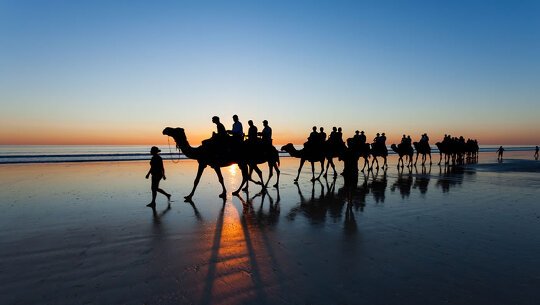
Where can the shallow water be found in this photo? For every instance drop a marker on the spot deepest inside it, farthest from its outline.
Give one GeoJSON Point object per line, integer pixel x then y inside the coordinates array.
{"type": "Point", "coordinates": [81, 234]}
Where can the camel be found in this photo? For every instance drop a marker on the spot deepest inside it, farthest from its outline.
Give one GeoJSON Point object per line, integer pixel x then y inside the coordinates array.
{"type": "Point", "coordinates": [424, 149]}
{"type": "Point", "coordinates": [458, 150]}
{"type": "Point", "coordinates": [331, 151]}
{"type": "Point", "coordinates": [403, 151]}
{"type": "Point", "coordinates": [364, 150]}
{"type": "Point", "coordinates": [444, 148]}
{"type": "Point", "coordinates": [209, 155]}
{"type": "Point", "coordinates": [378, 150]}
{"type": "Point", "coordinates": [306, 155]}
{"type": "Point", "coordinates": [258, 153]}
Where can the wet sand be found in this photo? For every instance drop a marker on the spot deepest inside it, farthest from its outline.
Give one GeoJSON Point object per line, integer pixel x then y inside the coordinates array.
{"type": "Point", "coordinates": [81, 234]}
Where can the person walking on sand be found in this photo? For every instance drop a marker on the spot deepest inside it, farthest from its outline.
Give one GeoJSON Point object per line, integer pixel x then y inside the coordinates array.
{"type": "Point", "coordinates": [157, 171]}
{"type": "Point", "coordinates": [500, 152]}
{"type": "Point", "coordinates": [536, 153]}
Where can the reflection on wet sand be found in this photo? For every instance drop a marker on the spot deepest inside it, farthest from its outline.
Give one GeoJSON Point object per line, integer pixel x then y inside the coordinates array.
{"type": "Point", "coordinates": [421, 181]}
{"type": "Point", "coordinates": [324, 202]}
{"type": "Point", "coordinates": [238, 267]}
{"type": "Point", "coordinates": [403, 182]}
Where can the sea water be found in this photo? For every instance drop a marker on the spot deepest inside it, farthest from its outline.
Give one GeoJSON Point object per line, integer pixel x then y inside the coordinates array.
{"type": "Point", "coordinates": [102, 153]}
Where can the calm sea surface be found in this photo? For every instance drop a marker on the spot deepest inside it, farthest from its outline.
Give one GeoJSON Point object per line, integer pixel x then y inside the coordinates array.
{"type": "Point", "coordinates": [86, 153]}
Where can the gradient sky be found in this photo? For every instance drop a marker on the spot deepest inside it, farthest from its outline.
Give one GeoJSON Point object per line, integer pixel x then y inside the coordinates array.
{"type": "Point", "coordinates": [117, 72]}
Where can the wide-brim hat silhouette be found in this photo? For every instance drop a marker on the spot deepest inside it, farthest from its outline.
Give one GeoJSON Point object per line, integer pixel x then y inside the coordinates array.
{"type": "Point", "coordinates": [154, 149]}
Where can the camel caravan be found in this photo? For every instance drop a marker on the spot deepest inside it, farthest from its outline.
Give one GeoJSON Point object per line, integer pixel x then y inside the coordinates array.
{"type": "Point", "coordinates": [228, 147]}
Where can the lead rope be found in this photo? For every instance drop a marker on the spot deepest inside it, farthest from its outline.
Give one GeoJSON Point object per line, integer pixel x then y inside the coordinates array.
{"type": "Point", "coordinates": [170, 151]}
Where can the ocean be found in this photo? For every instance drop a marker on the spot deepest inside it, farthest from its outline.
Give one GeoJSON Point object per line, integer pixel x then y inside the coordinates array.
{"type": "Point", "coordinates": [12, 154]}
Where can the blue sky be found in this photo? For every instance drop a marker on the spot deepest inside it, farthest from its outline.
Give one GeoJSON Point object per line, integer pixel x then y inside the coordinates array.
{"type": "Point", "coordinates": [114, 72]}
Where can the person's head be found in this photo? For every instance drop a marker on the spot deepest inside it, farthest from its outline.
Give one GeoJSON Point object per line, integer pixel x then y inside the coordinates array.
{"type": "Point", "coordinates": [314, 128]}
{"type": "Point", "coordinates": [334, 128]}
{"type": "Point", "coordinates": [362, 132]}
{"type": "Point", "coordinates": [383, 134]}
{"type": "Point", "coordinates": [378, 134]}
{"type": "Point", "coordinates": [403, 136]}
{"type": "Point", "coordinates": [265, 123]}
{"type": "Point", "coordinates": [250, 123]}
{"type": "Point", "coordinates": [409, 136]}
{"type": "Point", "coordinates": [215, 119]}
{"type": "Point", "coordinates": [357, 132]}
{"type": "Point", "coordinates": [321, 129]}
{"type": "Point", "coordinates": [154, 150]}
{"type": "Point", "coordinates": [235, 118]}
{"type": "Point", "coordinates": [339, 129]}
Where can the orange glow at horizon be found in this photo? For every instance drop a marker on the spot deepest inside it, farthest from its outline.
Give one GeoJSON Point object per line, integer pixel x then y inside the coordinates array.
{"type": "Point", "coordinates": [486, 135]}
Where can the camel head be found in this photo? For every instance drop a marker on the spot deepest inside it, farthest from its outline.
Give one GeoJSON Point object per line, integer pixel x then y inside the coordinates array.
{"type": "Point", "coordinates": [288, 147]}
{"type": "Point", "coordinates": [177, 134]}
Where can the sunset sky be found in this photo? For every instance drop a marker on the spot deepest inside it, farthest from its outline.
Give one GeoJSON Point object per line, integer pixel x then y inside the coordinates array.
{"type": "Point", "coordinates": [118, 72]}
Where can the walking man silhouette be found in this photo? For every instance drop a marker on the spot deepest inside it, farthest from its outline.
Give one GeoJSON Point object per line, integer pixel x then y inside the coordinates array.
{"type": "Point", "coordinates": [158, 172]}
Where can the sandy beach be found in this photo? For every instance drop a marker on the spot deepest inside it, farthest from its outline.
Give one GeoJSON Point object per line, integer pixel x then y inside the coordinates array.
{"type": "Point", "coordinates": [82, 234]}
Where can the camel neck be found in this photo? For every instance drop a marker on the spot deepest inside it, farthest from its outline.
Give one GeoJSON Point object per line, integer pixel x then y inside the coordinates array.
{"type": "Point", "coordinates": [188, 151]}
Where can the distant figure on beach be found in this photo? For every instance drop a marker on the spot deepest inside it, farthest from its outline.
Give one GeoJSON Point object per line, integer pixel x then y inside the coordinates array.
{"type": "Point", "coordinates": [266, 133]}
{"type": "Point", "coordinates": [536, 153]}
{"type": "Point", "coordinates": [157, 171]}
{"type": "Point", "coordinates": [500, 152]}
{"type": "Point", "coordinates": [237, 130]}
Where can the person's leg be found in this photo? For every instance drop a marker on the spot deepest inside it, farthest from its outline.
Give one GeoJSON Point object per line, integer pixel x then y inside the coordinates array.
{"type": "Point", "coordinates": [154, 188]}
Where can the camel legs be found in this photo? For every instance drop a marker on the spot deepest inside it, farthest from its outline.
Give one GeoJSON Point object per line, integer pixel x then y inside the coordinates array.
{"type": "Point", "coordinates": [328, 164]}
{"type": "Point", "coordinates": [245, 178]}
{"type": "Point", "coordinates": [374, 160]}
{"type": "Point", "coordinates": [302, 161]}
{"type": "Point", "coordinates": [259, 173]}
{"type": "Point", "coordinates": [220, 178]}
{"type": "Point", "coordinates": [200, 170]}
{"type": "Point", "coordinates": [331, 162]}
{"type": "Point", "coordinates": [366, 162]}
{"type": "Point", "coordinates": [271, 167]}
{"type": "Point", "coordinates": [313, 170]}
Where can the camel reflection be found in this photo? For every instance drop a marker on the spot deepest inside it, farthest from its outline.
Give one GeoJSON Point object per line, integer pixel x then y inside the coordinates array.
{"type": "Point", "coordinates": [450, 177]}
{"type": "Point", "coordinates": [421, 181]}
{"type": "Point", "coordinates": [325, 202]}
{"type": "Point", "coordinates": [403, 182]}
{"type": "Point", "coordinates": [378, 184]}
{"type": "Point", "coordinates": [260, 217]}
